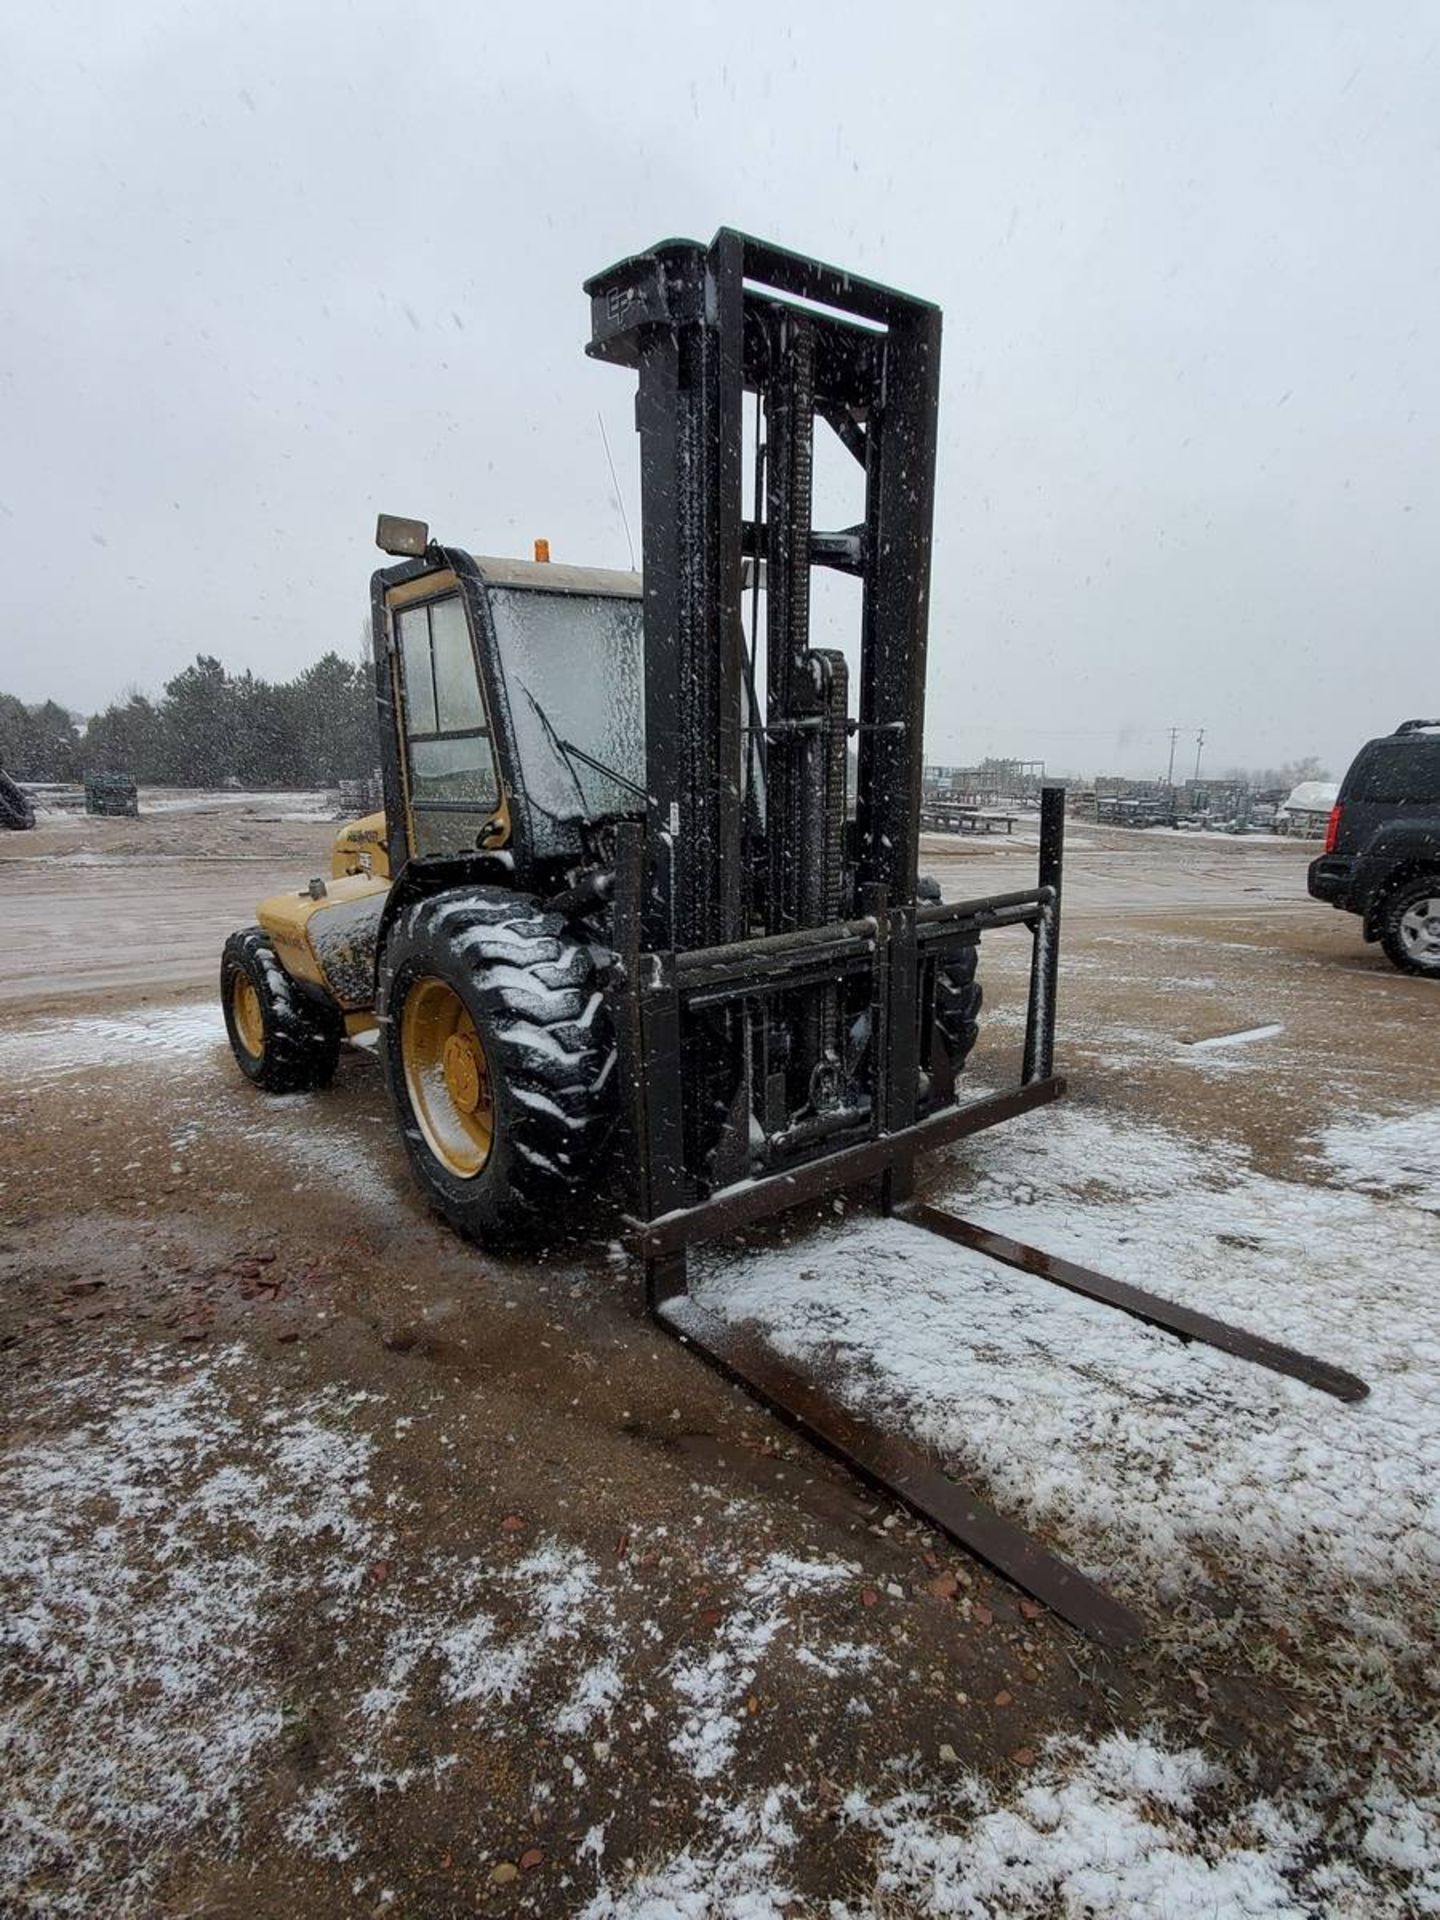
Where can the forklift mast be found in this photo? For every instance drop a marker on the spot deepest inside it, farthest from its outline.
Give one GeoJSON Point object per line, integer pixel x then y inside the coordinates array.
{"type": "Point", "coordinates": [784, 976]}
{"type": "Point", "coordinates": [704, 326]}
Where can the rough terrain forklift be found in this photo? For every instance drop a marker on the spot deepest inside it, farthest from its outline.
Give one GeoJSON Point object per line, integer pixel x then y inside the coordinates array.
{"type": "Point", "coordinates": [619, 915]}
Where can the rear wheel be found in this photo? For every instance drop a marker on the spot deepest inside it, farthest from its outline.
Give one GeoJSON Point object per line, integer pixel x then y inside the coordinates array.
{"type": "Point", "coordinates": [1410, 926]}
{"type": "Point", "coordinates": [958, 998]}
{"type": "Point", "coordinates": [500, 1060]}
{"type": "Point", "coordinates": [282, 1041]}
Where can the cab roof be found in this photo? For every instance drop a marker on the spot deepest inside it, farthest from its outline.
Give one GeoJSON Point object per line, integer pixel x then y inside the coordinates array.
{"type": "Point", "coordinates": [550, 576]}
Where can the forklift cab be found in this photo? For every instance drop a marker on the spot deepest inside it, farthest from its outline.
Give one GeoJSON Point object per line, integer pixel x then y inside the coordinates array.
{"type": "Point", "coordinates": [511, 695]}
{"type": "Point", "coordinates": [512, 733]}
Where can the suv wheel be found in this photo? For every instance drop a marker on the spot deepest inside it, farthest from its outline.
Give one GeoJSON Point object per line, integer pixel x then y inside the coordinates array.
{"type": "Point", "coordinates": [1410, 926]}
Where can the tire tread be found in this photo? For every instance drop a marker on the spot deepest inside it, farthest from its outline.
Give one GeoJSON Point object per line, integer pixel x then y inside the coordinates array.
{"type": "Point", "coordinates": [533, 981]}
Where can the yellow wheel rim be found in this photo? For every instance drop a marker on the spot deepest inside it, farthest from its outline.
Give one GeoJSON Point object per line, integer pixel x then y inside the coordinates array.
{"type": "Point", "coordinates": [249, 1020]}
{"type": "Point", "coordinates": [447, 1077]}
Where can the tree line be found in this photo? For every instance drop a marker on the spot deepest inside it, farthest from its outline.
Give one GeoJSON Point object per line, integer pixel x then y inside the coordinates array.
{"type": "Point", "coordinates": [208, 728]}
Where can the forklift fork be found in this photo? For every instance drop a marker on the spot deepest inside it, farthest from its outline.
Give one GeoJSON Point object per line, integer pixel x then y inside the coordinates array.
{"type": "Point", "coordinates": [905, 1472]}
{"type": "Point", "coordinates": [1167, 1315]}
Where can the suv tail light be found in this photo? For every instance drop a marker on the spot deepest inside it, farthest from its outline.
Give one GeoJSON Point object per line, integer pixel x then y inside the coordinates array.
{"type": "Point", "coordinates": [1332, 830]}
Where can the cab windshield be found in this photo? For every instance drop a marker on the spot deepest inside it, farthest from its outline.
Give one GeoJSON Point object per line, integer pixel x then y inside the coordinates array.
{"type": "Point", "coordinates": [573, 664]}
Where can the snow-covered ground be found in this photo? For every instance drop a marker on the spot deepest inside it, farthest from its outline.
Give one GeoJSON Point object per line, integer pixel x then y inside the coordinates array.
{"type": "Point", "coordinates": [55, 802]}
{"type": "Point", "coordinates": [1253, 836]}
{"type": "Point", "coordinates": [163, 1529]}
{"type": "Point", "coordinates": [161, 1536]}
{"type": "Point", "coordinates": [1242, 1512]}
{"type": "Point", "coordinates": [1126, 1828]}
{"type": "Point", "coordinates": [151, 1544]}
{"type": "Point", "coordinates": [36, 1052]}
{"type": "Point", "coordinates": [302, 804]}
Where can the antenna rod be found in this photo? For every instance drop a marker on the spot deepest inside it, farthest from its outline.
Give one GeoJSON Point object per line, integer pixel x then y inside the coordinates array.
{"type": "Point", "coordinates": [619, 497]}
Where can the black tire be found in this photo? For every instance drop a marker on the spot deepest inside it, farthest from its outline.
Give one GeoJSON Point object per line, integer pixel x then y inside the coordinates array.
{"type": "Point", "coordinates": [530, 982]}
{"type": "Point", "coordinates": [301, 1041]}
{"type": "Point", "coordinates": [17, 809]}
{"type": "Point", "coordinates": [958, 999]}
{"type": "Point", "coordinates": [1410, 926]}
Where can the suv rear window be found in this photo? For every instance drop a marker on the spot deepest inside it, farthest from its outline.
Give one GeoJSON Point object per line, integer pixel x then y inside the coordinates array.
{"type": "Point", "coordinates": [1396, 772]}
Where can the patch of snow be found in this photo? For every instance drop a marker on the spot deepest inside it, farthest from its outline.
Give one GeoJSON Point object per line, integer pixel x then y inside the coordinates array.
{"type": "Point", "coordinates": [597, 1690]}
{"type": "Point", "coordinates": [737, 1878]}
{"type": "Point", "coordinates": [714, 1684]}
{"type": "Point", "coordinates": [1392, 1153]}
{"type": "Point", "coordinates": [477, 1666]}
{"type": "Point", "coordinates": [1124, 1828]}
{"type": "Point", "coordinates": [1402, 1833]}
{"type": "Point", "coordinates": [1250, 836]}
{"type": "Point", "coordinates": [844, 1656]}
{"type": "Point", "coordinates": [1247, 1037]}
{"type": "Point", "coordinates": [296, 805]}
{"type": "Point", "coordinates": [42, 1050]}
{"type": "Point", "coordinates": [335, 1153]}
{"type": "Point", "coordinates": [1311, 796]}
{"type": "Point", "coordinates": [560, 1600]}
{"type": "Point", "coordinates": [151, 1541]}
{"type": "Point", "coordinates": [318, 1825]}
{"type": "Point", "coordinates": [1154, 1461]}
{"type": "Point", "coordinates": [1114, 1832]}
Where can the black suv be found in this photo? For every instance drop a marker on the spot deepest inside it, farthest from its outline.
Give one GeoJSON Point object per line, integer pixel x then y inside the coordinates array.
{"type": "Point", "coordinates": [1382, 849]}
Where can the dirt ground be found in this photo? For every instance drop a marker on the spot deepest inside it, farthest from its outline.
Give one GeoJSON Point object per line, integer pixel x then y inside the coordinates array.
{"type": "Point", "coordinates": [368, 1573]}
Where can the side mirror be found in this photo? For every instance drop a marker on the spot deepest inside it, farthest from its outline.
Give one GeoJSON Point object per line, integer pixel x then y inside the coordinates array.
{"type": "Point", "coordinates": [394, 534]}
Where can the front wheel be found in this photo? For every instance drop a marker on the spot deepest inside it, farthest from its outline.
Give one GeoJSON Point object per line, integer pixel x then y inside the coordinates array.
{"type": "Point", "coordinates": [282, 1041]}
{"type": "Point", "coordinates": [1410, 926]}
{"type": "Point", "coordinates": [500, 1061]}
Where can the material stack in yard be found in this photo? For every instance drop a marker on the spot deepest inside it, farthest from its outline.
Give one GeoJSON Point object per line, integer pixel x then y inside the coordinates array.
{"type": "Point", "coordinates": [615, 918]}
{"type": "Point", "coordinates": [365, 795]}
{"type": "Point", "coordinates": [112, 794]}
{"type": "Point", "coordinates": [1305, 811]}
{"type": "Point", "coordinates": [1135, 809]}
{"type": "Point", "coordinates": [994, 783]}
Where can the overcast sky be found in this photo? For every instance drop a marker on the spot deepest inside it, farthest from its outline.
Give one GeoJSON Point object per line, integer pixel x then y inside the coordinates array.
{"type": "Point", "coordinates": [266, 269]}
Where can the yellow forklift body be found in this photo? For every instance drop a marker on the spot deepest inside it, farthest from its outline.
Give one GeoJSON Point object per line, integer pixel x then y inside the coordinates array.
{"type": "Point", "coordinates": [327, 935]}
{"type": "Point", "coordinates": [362, 847]}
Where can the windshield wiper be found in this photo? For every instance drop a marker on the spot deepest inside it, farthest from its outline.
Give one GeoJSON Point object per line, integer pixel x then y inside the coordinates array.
{"type": "Point", "coordinates": [569, 747]}
{"type": "Point", "coordinates": [558, 744]}
{"type": "Point", "coordinates": [569, 753]}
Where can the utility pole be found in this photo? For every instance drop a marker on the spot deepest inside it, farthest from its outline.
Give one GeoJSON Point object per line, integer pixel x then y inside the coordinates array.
{"type": "Point", "coordinates": [1170, 772]}
{"type": "Point", "coordinates": [1199, 743]}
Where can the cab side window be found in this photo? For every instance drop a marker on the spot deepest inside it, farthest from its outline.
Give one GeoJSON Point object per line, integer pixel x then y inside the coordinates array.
{"type": "Point", "coordinates": [449, 759]}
